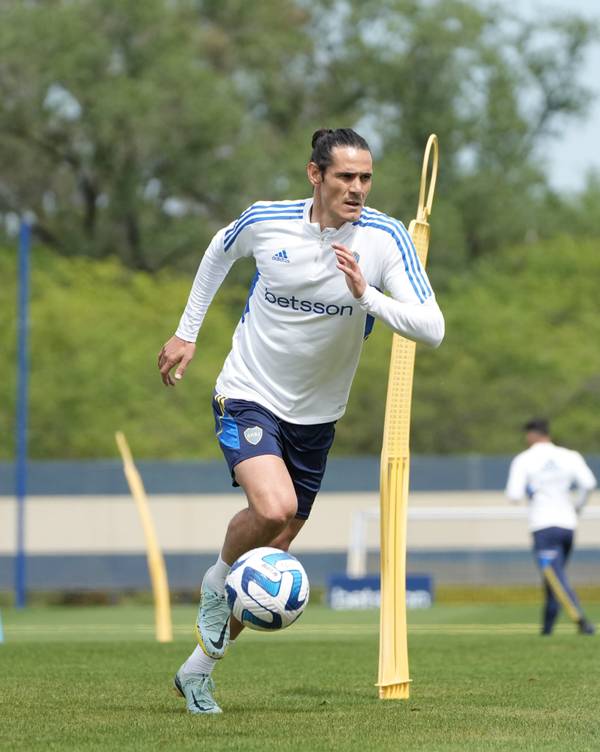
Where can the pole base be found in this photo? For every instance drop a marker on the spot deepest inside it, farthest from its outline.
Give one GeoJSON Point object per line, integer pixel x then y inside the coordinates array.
{"type": "Point", "coordinates": [394, 691]}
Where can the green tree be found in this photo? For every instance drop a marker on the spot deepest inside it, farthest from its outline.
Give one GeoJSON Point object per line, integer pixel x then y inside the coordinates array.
{"type": "Point", "coordinates": [576, 215]}
{"type": "Point", "coordinates": [521, 329]}
{"type": "Point", "coordinates": [138, 128]}
{"type": "Point", "coordinates": [122, 128]}
{"type": "Point", "coordinates": [490, 84]}
{"type": "Point", "coordinates": [95, 331]}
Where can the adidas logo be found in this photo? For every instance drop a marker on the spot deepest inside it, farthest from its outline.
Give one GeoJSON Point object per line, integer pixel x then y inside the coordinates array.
{"type": "Point", "coordinates": [281, 256]}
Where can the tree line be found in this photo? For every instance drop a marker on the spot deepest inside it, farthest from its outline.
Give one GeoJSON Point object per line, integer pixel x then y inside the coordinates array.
{"type": "Point", "coordinates": [521, 329]}
{"type": "Point", "coordinates": [136, 130]}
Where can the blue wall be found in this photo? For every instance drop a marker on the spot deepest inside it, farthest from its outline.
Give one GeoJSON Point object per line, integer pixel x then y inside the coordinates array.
{"type": "Point", "coordinates": [59, 478]}
{"type": "Point", "coordinates": [118, 572]}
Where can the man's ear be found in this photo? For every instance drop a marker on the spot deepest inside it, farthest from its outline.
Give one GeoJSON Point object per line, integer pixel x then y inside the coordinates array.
{"type": "Point", "coordinates": [314, 174]}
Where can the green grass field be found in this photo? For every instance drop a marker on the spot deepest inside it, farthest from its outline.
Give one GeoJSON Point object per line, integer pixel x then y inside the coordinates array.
{"type": "Point", "coordinates": [483, 679]}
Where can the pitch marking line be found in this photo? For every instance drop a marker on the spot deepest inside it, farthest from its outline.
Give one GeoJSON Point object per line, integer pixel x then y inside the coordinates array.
{"type": "Point", "coordinates": [30, 631]}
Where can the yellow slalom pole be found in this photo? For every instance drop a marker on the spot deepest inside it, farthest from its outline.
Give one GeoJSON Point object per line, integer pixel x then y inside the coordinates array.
{"type": "Point", "coordinates": [393, 681]}
{"type": "Point", "coordinates": [156, 562]}
{"type": "Point", "coordinates": [561, 594]}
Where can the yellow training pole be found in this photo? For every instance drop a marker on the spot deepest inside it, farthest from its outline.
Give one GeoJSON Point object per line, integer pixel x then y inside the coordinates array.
{"type": "Point", "coordinates": [561, 594]}
{"type": "Point", "coordinates": [393, 679]}
{"type": "Point", "coordinates": [156, 562]}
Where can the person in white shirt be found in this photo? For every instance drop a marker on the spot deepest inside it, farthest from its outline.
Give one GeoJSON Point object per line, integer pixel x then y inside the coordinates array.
{"type": "Point", "coordinates": [557, 482]}
{"type": "Point", "coordinates": [321, 266]}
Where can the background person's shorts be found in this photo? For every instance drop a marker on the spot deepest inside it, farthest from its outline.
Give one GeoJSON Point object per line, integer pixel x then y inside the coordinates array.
{"type": "Point", "coordinates": [246, 429]}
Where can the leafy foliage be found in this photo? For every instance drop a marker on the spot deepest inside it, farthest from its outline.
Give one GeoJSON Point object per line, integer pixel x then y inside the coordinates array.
{"type": "Point", "coordinates": [96, 328]}
{"type": "Point", "coordinates": [137, 129]}
{"type": "Point", "coordinates": [521, 329]}
{"type": "Point", "coordinates": [520, 333]}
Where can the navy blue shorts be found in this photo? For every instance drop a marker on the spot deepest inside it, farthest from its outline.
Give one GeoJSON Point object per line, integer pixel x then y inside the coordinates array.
{"type": "Point", "coordinates": [246, 429]}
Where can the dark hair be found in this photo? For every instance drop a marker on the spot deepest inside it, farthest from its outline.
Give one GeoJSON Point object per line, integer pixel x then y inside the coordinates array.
{"type": "Point", "coordinates": [539, 425]}
{"type": "Point", "coordinates": [325, 139]}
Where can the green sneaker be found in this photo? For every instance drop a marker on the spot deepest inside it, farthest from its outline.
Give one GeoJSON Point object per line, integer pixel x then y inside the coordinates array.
{"type": "Point", "coordinates": [197, 691]}
{"type": "Point", "coordinates": [212, 623]}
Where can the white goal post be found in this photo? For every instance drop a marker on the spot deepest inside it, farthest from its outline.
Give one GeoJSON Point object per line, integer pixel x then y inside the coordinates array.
{"type": "Point", "coordinates": [361, 527]}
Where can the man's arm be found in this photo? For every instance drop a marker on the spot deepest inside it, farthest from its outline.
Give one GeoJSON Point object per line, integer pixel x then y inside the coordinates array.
{"type": "Point", "coordinates": [516, 486]}
{"type": "Point", "coordinates": [585, 482]}
{"type": "Point", "coordinates": [218, 259]}
{"type": "Point", "coordinates": [419, 321]}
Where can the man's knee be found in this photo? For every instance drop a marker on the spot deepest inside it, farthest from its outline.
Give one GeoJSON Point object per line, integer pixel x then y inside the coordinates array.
{"type": "Point", "coordinates": [269, 490]}
{"type": "Point", "coordinates": [276, 511]}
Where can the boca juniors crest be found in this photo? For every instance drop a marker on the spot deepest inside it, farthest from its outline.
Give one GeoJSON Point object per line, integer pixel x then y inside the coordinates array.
{"type": "Point", "coordinates": [253, 435]}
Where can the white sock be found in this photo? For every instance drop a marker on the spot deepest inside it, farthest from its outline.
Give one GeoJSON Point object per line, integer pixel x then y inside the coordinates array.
{"type": "Point", "coordinates": [200, 663]}
{"type": "Point", "coordinates": [216, 575]}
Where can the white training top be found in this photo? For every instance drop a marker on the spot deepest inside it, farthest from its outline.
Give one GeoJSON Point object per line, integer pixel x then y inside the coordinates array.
{"type": "Point", "coordinates": [297, 345]}
{"type": "Point", "coordinates": [546, 474]}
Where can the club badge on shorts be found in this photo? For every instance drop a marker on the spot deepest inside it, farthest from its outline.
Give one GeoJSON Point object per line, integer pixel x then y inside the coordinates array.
{"type": "Point", "coordinates": [253, 435]}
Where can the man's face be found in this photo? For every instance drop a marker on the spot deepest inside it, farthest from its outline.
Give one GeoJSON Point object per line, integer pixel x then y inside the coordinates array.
{"type": "Point", "coordinates": [344, 186]}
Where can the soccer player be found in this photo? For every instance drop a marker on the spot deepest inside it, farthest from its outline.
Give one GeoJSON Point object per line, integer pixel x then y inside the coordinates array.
{"type": "Point", "coordinates": [557, 483]}
{"type": "Point", "coordinates": [321, 264]}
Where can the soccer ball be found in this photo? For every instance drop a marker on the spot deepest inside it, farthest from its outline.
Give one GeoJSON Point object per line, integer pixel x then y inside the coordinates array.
{"type": "Point", "coordinates": [267, 589]}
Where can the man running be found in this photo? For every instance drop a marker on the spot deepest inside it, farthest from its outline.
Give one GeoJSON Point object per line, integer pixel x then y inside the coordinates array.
{"type": "Point", "coordinates": [556, 481]}
{"type": "Point", "coordinates": [321, 266]}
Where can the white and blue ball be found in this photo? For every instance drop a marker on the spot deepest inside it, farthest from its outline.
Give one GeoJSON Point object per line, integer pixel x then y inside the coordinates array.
{"type": "Point", "coordinates": [267, 589]}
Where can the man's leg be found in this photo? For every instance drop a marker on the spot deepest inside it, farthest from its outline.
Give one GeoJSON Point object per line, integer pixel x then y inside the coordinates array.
{"type": "Point", "coordinates": [272, 505]}
{"type": "Point", "coordinates": [193, 680]}
{"type": "Point", "coordinates": [551, 609]}
{"type": "Point", "coordinates": [305, 450]}
{"type": "Point", "coordinates": [553, 546]}
{"type": "Point", "coordinates": [546, 550]}
{"type": "Point", "coordinates": [585, 627]}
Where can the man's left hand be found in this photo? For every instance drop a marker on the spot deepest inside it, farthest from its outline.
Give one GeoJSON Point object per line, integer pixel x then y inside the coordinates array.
{"type": "Point", "coordinates": [346, 263]}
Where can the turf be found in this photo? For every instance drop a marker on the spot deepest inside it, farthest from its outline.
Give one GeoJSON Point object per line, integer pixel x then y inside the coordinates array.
{"type": "Point", "coordinates": [483, 679]}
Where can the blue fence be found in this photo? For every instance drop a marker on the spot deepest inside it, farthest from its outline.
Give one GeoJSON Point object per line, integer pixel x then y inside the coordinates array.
{"type": "Point", "coordinates": [428, 473]}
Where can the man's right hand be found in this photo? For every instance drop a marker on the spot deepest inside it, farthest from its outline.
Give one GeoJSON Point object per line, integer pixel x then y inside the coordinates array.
{"type": "Point", "coordinates": [175, 352]}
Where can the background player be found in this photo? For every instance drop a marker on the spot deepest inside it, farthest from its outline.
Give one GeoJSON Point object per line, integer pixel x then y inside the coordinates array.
{"type": "Point", "coordinates": [547, 475]}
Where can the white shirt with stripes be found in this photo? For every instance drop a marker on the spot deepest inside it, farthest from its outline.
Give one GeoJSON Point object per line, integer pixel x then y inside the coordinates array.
{"type": "Point", "coordinates": [298, 343]}
{"type": "Point", "coordinates": [548, 475]}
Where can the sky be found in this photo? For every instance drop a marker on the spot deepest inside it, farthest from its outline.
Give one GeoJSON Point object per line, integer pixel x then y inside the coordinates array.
{"type": "Point", "coordinates": [577, 150]}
